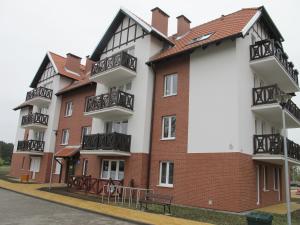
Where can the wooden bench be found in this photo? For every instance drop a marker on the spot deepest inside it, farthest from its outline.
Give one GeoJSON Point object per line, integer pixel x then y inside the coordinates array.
{"type": "Point", "coordinates": [156, 199]}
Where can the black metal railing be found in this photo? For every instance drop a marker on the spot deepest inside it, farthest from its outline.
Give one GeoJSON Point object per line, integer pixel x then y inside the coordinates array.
{"type": "Point", "coordinates": [114, 98]}
{"type": "Point", "coordinates": [267, 95]}
{"type": "Point", "coordinates": [35, 118]}
{"type": "Point", "coordinates": [39, 92]}
{"type": "Point", "coordinates": [31, 145]}
{"type": "Point", "coordinates": [273, 144]}
{"type": "Point", "coordinates": [119, 59]}
{"type": "Point", "coordinates": [110, 141]}
{"type": "Point", "coordinates": [269, 47]}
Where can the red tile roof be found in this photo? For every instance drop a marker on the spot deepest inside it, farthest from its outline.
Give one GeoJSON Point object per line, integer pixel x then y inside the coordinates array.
{"type": "Point", "coordinates": [74, 85]}
{"type": "Point", "coordinates": [60, 62]}
{"type": "Point", "coordinates": [66, 152]}
{"type": "Point", "coordinates": [224, 27]}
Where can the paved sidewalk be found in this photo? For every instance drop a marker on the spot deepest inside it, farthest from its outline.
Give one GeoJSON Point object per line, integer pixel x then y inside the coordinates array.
{"type": "Point", "coordinates": [122, 213]}
{"type": "Point", "coordinates": [280, 208]}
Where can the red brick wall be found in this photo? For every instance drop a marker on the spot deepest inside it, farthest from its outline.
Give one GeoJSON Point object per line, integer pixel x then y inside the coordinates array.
{"type": "Point", "coordinates": [75, 122]}
{"type": "Point", "coordinates": [42, 176]}
{"type": "Point", "coordinates": [226, 180]}
{"type": "Point", "coordinates": [135, 167]}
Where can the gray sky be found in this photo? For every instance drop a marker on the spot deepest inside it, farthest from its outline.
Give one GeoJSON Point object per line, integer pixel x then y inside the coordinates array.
{"type": "Point", "coordinates": [30, 28]}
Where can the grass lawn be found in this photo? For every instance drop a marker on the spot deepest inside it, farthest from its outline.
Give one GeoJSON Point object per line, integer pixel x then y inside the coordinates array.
{"type": "Point", "coordinates": [4, 170]}
{"type": "Point", "coordinates": [209, 216]}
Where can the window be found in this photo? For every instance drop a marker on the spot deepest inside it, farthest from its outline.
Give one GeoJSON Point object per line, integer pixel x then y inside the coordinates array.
{"type": "Point", "coordinates": [58, 166]}
{"type": "Point", "coordinates": [35, 165]}
{"type": "Point", "coordinates": [85, 167]}
{"type": "Point", "coordinates": [85, 131]}
{"type": "Point", "coordinates": [276, 178]}
{"type": "Point", "coordinates": [201, 38]}
{"type": "Point", "coordinates": [266, 178]}
{"type": "Point", "coordinates": [168, 127]}
{"type": "Point", "coordinates": [39, 135]}
{"type": "Point", "coordinates": [69, 108]}
{"type": "Point", "coordinates": [170, 86]}
{"type": "Point", "coordinates": [65, 137]}
{"type": "Point", "coordinates": [23, 162]}
{"type": "Point", "coordinates": [166, 174]}
{"type": "Point", "coordinates": [116, 126]}
{"type": "Point", "coordinates": [113, 169]}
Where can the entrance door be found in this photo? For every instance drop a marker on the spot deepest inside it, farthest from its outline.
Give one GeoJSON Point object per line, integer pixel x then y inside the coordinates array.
{"type": "Point", "coordinates": [71, 163]}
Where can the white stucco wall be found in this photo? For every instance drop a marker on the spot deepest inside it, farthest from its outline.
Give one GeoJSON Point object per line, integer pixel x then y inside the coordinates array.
{"type": "Point", "coordinates": [142, 88]}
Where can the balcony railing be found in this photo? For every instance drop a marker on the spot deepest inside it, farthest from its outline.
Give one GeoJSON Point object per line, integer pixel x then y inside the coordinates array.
{"type": "Point", "coordinates": [115, 98]}
{"type": "Point", "coordinates": [111, 141]}
{"type": "Point", "coordinates": [266, 48]}
{"type": "Point", "coordinates": [273, 144]}
{"type": "Point", "coordinates": [31, 145]}
{"type": "Point", "coordinates": [39, 92]}
{"type": "Point", "coordinates": [267, 95]}
{"type": "Point", "coordinates": [35, 118]}
{"type": "Point", "coordinates": [119, 59]}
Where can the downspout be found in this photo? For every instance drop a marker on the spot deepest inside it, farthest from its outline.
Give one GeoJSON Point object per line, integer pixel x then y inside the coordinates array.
{"type": "Point", "coordinates": [151, 126]}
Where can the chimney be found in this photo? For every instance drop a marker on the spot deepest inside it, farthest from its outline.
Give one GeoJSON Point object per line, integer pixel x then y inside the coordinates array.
{"type": "Point", "coordinates": [160, 20]}
{"type": "Point", "coordinates": [88, 66]}
{"type": "Point", "coordinates": [183, 25]}
{"type": "Point", "coordinates": [73, 63]}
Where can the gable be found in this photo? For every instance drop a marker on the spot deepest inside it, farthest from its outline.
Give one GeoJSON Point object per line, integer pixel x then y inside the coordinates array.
{"type": "Point", "coordinates": [127, 31]}
{"type": "Point", "coordinates": [48, 73]}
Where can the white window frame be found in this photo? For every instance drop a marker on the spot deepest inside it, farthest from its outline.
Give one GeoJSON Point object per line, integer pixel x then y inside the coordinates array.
{"type": "Point", "coordinates": [109, 168]}
{"type": "Point", "coordinates": [89, 130]}
{"type": "Point", "coordinates": [69, 109]}
{"type": "Point", "coordinates": [167, 184]}
{"type": "Point", "coordinates": [276, 178]}
{"type": "Point", "coordinates": [35, 164]}
{"type": "Point", "coordinates": [172, 91]}
{"type": "Point", "coordinates": [169, 128]}
{"type": "Point", "coordinates": [65, 140]}
{"type": "Point", "coordinates": [58, 166]}
{"type": "Point", "coordinates": [265, 171]}
{"type": "Point", "coordinates": [85, 166]}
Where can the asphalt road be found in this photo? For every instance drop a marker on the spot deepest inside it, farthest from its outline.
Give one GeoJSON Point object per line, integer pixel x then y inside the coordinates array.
{"type": "Point", "coordinates": [18, 209]}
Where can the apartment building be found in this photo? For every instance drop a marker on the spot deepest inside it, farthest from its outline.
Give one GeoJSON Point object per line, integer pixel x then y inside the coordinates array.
{"type": "Point", "coordinates": [194, 115]}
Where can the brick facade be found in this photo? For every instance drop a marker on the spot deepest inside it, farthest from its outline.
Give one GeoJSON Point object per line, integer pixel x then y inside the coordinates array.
{"type": "Point", "coordinates": [223, 181]}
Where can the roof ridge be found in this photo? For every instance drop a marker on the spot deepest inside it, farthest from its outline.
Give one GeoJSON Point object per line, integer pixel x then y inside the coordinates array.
{"type": "Point", "coordinates": [213, 20]}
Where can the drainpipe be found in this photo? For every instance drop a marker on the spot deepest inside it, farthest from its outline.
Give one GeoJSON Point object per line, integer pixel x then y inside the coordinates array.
{"type": "Point", "coordinates": [151, 127]}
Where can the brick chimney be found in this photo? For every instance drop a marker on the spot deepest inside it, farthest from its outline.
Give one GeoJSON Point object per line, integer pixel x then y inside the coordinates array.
{"type": "Point", "coordinates": [88, 66]}
{"type": "Point", "coordinates": [73, 63]}
{"type": "Point", "coordinates": [183, 25]}
{"type": "Point", "coordinates": [160, 20]}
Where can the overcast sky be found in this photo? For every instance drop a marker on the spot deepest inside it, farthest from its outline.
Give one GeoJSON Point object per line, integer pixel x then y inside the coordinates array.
{"type": "Point", "coordinates": [31, 28]}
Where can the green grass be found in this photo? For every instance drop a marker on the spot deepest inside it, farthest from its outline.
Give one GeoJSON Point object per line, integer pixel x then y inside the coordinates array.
{"type": "Point", "coordinates": [4, 170]}
{"type": "Point", "coordinates": [209, 216]}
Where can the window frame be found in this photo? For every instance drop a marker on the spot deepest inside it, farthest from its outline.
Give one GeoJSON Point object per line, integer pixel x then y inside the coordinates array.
{"type": "Point", "coordinates": [82, 128]}
{"type": "Point", "coordinates": [172, 93]}
{"type": "Point", "coordinates": [62, 137]}
{"type": "Point", "coordinates": [167, 184]}
{"type": "Point", "coordinates": [109, 169]}
{"type": "Point", "coordinates": [276, 178]}
{"type": "Point", "coordinates": [266, 177]}
{"type": "Point", "coordinates": [169, 128]}
{"type": "Point", "coordinates": [68, 109]}
{"type": "Point", "coordinates": [58, 166]}
{"type": "Point", "coordinates": [85, 165]}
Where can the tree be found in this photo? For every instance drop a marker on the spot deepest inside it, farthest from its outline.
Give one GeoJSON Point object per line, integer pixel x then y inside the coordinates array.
{"type": "Point", "coordinates": [6, 151]}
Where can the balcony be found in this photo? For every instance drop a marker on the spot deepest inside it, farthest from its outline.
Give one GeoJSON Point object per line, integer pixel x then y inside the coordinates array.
{"type": "Point", "coordinates": [111, 144]}
{"type": "Point", "coordinates": [40, 96]}
{"type": "Point", "coordinates": [268, 59]}
{"type": "Point", "coordinates": [111, 105]}
{"type": "Point", "coordinates": [267, 107]}
{"type": "Point", "coordinates": [36, 121]}
{"type": "Point", "coordinates": [32, 146]}
{"type": "Point", "coordinates": [269, 148]}
{"type": "Point", "coordinates": [116, 68]}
